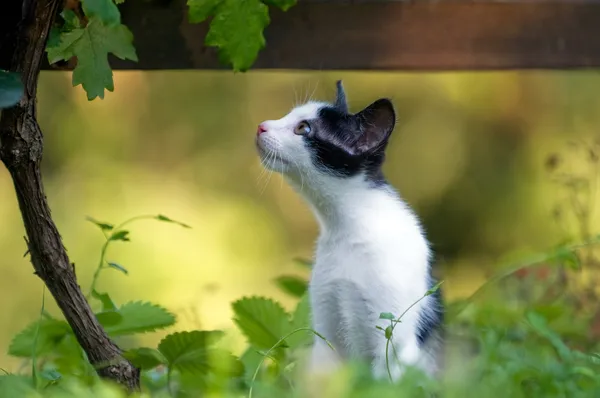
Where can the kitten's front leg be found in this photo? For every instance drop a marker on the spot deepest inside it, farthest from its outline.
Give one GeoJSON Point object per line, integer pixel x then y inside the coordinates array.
{"type": "Point", "coordinates": [399, 354]}
{"type": "Point", "coordinates": [322, 364]}
{"type": "Point", "coordinates": [325, 321]}
{"type": "Point", "coordinates": [323, 360]}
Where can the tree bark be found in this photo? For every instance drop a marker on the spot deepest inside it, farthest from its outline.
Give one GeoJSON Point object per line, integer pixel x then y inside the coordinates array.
{"type": "Point", "coordinates": [23, 39]}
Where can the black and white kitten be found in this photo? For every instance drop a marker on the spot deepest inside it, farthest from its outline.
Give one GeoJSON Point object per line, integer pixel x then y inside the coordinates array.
{"type": "Point", "coordinates": [372, 255]}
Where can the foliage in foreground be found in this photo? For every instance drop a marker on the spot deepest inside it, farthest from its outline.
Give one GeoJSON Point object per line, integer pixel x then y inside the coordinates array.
{"type": "Point", "coordinates": [90, 30]}
{"type": "Point", "coordinates": [491, 346]}
{"type": "Point", "coordinates": [531, 331]}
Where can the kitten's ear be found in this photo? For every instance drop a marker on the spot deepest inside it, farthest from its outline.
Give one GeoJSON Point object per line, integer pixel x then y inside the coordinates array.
{"type": "Point", "coordinates": [376, 122]}
{"type": "Point", "coordinates": [340, 98]}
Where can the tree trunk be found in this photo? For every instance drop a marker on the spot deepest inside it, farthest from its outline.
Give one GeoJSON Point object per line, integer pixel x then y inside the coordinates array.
{"type": "Point", "coordinates": [23, 36]}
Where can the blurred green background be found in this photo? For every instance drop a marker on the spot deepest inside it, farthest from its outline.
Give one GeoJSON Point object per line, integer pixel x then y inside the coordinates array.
{"type": "Point", "coordinates": [469, 154]}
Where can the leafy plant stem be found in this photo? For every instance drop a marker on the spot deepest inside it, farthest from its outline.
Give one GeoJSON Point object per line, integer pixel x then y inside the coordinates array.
{"type": "Point", "coordinates": [99, 268]}
{"type": "Point", "coordinates": [169, 384]}
{"type": "Point", "coordinates": [537, 260]}
{"type": "Point", "coordinates": [393, 324]}
{"type": "Point", "coordinates": [387, 357]}
{"type": "Point", "coordinates": [281, 340]}
{"type": "Point", "coordinates": [101, 265]}
{"type": "Point", "coordinates": [136, 218]}
{"type": "Point", "coordinates": [34, 373]}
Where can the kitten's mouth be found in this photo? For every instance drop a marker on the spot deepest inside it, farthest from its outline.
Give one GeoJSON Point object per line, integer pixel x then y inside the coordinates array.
{"type": "Point", "coordinates": [271, 159]}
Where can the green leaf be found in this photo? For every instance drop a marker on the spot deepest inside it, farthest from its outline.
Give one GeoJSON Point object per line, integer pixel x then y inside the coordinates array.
{"type": "Point", "coordinates": [118, 267]}
{"type": "Point", "coordinates": [145, 358]}
{"type": "Point", "coordinates": [434, 289]}
{"type": "Point", "coordinates": [263, 321]}
{"type": "Point", "coordinates": [63, 47]}
{"type": "Point", "coordinates": [109, 318]}
{"type": "Point", "coordinates": [11, 89]}
{"type": "Point", "coordinates": [387, 315]}
{"type": "Point", "coordinates": [17, 386]}
{"type": "Point", "coordinates": [583, 371]}
{"type": "Point", "coordinates": [120, 235]}
{"type": "Point", "coordinates": [107, 303]}
{"type": "Point", "coordinates": [591, 358]}
{"type": "Point", "coordinates": [140, 317]}
{"type": "Point", "coordinates": [71, 22]}
{"type": "Point", "coordinates": [301, 318]}
{"type": "Point", "coordinates": [102, 225]}
{"type": "Point", "coordinates": [251, 359]}
{"type": "Point", "coordinates": [284, 5]}
{"type": "Point", "coordinates": [34, 362]}
{"type": "Point", "coordinates": [50, 375]}
{"type": "Point", "coordinates": [161, 217]}
{"type": "Point", "coordinates": [199, 10]}
{"type": "Point", "coordinates": [71, 19]}
{"type": "Point", "coordinates": [540, 326]}
{"type": "Point", "coordinates": [237, 31]}
{"type": "Point", "coordinates": [388, 332]}
{"type": "Point", "coordinates": [155, 379]}
{"type": "Point", "coordinates": [292, 285]}
{"type": "Point", "coordinates": [50, 334]}
{"type": "Point", "coordinates": [567, 257]}
{"type": "Point", "coordinates": [53, 38]}
{"type": "Point", "coordinates": [91, 45]}
{"type": "Point", "coordinates": [104, 10]}
{"type": "Point", "coordinates": [224, 363]}
{"type": "Point", "coordinates": [68, 357]}
{"type": "Point", "coordinates": [193, 351]}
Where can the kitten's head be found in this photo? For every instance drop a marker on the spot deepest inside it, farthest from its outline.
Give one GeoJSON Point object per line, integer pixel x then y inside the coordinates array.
{"type": "Point", "coordinates": [318, 139]}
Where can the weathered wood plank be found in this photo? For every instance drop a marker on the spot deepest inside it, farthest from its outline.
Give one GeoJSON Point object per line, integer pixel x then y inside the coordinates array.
{"type": "Point", "coordinates": [385, 35]}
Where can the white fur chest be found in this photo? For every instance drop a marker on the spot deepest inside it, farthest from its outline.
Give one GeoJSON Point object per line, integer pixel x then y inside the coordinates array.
{"type": "Point", "coordinates": [374, 259]}
{"type": "Point", "coordinates": [371, 256]}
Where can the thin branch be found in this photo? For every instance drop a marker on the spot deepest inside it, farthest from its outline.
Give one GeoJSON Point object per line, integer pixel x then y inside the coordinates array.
{"type": "Point", "coordinates": [21, 142]}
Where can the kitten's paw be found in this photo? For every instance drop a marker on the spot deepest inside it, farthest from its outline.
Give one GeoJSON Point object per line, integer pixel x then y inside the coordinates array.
{"type": "Point", "coordinates": [393, 366]}
{"type": "Point", "coordinates": [322, 367]}
{"type": "Point", "coordinates": [381, 371]}
{"type": "Point", "coordinates": [323, 360]}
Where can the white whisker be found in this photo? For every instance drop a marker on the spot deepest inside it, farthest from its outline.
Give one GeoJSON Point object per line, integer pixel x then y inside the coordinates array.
{"type": "Point", "coordinates": [264, 180]}
{"type": "Point", "coordinates": [269, 161]}
{"type": "Point", "coordinates": [312, 95]}
{"type": "Point", "coordinates": [295, 97]}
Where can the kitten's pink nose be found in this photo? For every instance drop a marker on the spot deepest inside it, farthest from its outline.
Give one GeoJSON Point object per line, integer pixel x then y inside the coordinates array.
{"type": "Point", "coordinates": [261, 129]}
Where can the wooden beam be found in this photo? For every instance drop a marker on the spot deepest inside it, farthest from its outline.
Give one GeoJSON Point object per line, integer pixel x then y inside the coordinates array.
{"type": "Point", "coordinates": [384, 35]}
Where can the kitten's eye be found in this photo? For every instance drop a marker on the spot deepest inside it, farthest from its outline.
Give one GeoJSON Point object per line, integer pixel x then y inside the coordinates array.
{"type": "Point", "coordinates": [302, 128]}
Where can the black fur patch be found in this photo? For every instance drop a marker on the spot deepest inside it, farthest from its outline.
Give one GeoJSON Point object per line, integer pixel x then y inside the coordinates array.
{"type": "Point", "coordinates": [332, 143]}
{"type": "Point", "coordinates": [431, 317]}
